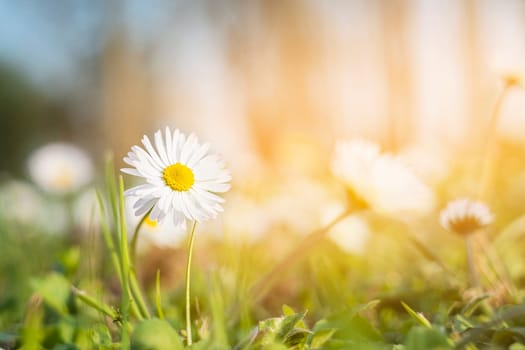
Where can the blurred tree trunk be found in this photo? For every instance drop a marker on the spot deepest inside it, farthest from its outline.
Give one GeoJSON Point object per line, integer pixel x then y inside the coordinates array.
{"type": "Point", "coordinates": [400, 124]}
{"type": "Point", "coordinates": [477, 110]}
{"type": "Point", "coordinates": [126, 100]}
{"type": "Point", "coordinates": [275, 50]}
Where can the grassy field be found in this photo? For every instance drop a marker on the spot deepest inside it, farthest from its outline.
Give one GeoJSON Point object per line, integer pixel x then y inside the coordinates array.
{"type": "Point", "coordinates": [291, 277]}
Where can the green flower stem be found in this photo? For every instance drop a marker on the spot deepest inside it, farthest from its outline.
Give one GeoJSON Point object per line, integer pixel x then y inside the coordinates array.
{"type": "Point", "coordinates": [473, 273]}
{"type": "Point", "coordinates": [135, 237]}
{"type": "Point", "coordinates": [158, 302]}
{"type": "Point", "coordinates": [125, 263]}
{"type": "Point", "coordinates": [188, 278]}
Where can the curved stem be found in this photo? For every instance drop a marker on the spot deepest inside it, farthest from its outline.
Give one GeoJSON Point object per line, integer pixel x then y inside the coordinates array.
{"type": "Point", "coordinates": [261, 287]}
{"type": "Point", "coordinates": [490, 140]}
{"type": "Point", "coordinates": [135, 237]}
{"type": "Point", "coordinates": [486, 177]}
{"type": "Point", "coordinates": [188, 275]}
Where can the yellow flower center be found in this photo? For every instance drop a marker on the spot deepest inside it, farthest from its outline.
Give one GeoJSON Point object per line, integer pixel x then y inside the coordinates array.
{"type": "Point", "coordinates": [179, 177]}
{"type": "Point", "coordinates": [64, 179]}
{"type": "Point", "coordinates": [149, 222]}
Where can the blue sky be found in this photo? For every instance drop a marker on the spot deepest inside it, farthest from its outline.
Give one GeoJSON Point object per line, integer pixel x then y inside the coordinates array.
{"type": "Point", "coordinates": [45, 39]}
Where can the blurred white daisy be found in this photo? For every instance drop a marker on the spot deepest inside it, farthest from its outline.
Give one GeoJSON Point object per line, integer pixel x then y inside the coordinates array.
{"type": "Point", "coordinates": [380, 181]}
{"type": "Point", "coordinates": [351, 234]}
{"type": "Point", "coordinates": [464, 216]}
{"type": "Point", "coordinates": [86, 211]}
{"type": "Point", "coordinates": [307, 197]}
{"type": "Point", "coordinates": [60, 168]}
{"type": "Point", "coordinates": [245, 219]}
{"type": "Point", "coordinates": [22, 204]}
{"type": "Point", "coordinates": [164, 234]}
{"type": "Point", "coordinates": [182, 178]}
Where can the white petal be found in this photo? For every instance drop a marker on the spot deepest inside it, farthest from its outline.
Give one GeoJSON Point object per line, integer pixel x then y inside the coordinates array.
{"type": "Point", "coordinates": [131, 171]}
{"type": "Point", "coordinates": [169, 146]}
{"type": "Point", "coordinates": [188, 149]}
{"type": "Point", "coordinates": [198, 155]}
{"type": "Point", "coordinates": [153, 153]}
{"type": "Point", "coordinates": [159, 143]}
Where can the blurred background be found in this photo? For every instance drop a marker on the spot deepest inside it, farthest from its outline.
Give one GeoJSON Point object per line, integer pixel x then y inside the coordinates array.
{"type": "Point", "coordinates": [271, 85]}
{"type": "Point", "coordinates": [255, 78]}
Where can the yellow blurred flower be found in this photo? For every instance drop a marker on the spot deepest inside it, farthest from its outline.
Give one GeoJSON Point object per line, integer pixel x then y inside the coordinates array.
{"type": "Point", "coordinates": [512, 79]}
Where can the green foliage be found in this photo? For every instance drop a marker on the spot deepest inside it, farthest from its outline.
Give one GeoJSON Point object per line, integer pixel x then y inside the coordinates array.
{"type": "Point", "coordinates": [61, 296]}
{"type": "Point", "coordinates": [427, 338]}
{"type": "Point", "coordinates": [155, 334]}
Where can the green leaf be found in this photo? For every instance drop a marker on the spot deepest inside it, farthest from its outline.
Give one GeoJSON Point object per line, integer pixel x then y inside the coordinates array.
{"type": "Point", "coordinates": [288, 324]}
{"type": "Point", "coordinates": [319, 338]}
{"type": "Point", "coordinates": [267, 331]}
{"type": "Point", "coordinates": [297, 337]}
{"type": "Point", "coordinates": [350, 327]}
{"type": "Point", "coordinates": [417, 316]}
{"type": "Point", "coordinates": [508, 336]}
{"type": "Point", "coordinates": [462, 324]}
{"type": "Point", "coordinates": [32, 332]}
{"type": "Point", "coordinates": [287, 310]}
{"type": "Point", "coordinates": [427, 338]}
{"type": "Point", "coordinates": [54, 290]}
{"type": "Point", "coordinates": [155, 334]}
{"type": "Point", "coordinates": [469, 309]}
{"type": "Point", "coordinates": [370, 305]}
{"type": "Point", "coordinates": [100, 336]}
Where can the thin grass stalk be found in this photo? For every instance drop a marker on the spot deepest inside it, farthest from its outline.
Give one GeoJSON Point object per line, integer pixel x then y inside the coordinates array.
{"type": "Point", "coordinates": [158, 301]}
{"type": "Point", "coordinates": [125, 263]}
{"type": "Point", "coordinates": [92, 302]}
{"type": "Point", "coordinates": [111, 187]}
{"type": "Point", "coordinates": [108, 238]}
{"type": "Point", "coordinates": [188, 280]}
{"type": "Point", "coordinates": [261, 287]}
{"type": "Point", "coordinates": [136, 292]}
{"type": "Point", "coordinates": [484, 185]}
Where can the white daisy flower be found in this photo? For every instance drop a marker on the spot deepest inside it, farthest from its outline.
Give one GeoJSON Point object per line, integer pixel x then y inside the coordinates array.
{"type": "Point", "coordinates": [380, 181]}
{"type": "Point", "coordinates": [464, 216]}
{"type": "Point", "coordinates": [182, 178]}
{"type": "Point", "coordinates": [60, 168]}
